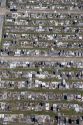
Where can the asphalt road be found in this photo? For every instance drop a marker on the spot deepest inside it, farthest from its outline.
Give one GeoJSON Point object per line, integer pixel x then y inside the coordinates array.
{"type": "Point", "coordinates": [41, 58]}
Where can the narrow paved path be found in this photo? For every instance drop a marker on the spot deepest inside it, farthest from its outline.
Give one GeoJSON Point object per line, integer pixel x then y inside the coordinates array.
{"type": "Point", "coordinates": [40, 58]}
{"type": "Point", "coordinates": [51, 11]}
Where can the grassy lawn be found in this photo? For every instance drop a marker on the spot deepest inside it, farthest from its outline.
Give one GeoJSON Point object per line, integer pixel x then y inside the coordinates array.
{"type": "Point", "coordinates": [74, 69]}
{"type": "Point", "coordinates": [71, 113]}
{"type": "Point", "coordinates": [50, 113]}
{"type": "Point", "coordinates": [45, 90]}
